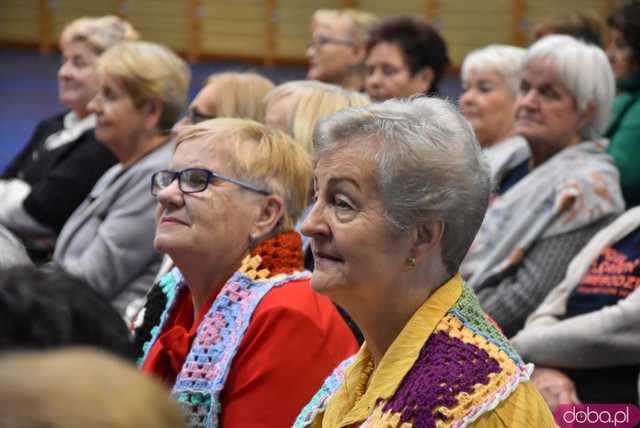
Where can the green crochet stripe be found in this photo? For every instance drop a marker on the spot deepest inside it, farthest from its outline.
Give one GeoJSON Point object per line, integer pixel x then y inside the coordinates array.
{"type": "Point", "coordinates": [468, 309]}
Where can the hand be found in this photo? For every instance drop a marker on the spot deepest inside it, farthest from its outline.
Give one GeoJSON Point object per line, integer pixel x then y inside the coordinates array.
{"type": "Point", "coordinates": [555, 387]}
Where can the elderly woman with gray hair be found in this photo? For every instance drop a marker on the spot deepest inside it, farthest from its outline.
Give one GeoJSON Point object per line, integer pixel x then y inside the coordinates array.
{"type": "Point", "coordinates": [490, 80]}
{"type": "Point", "coordinates": [401, 190]}
{"type": "Point", "coordinates": [533, 230]}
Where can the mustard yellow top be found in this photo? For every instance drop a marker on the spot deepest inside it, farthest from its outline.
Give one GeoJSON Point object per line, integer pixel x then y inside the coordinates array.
{"type": "Point", "coordinates": [504, 398]}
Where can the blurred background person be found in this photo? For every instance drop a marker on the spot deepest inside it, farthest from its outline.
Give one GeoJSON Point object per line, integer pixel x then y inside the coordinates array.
{"type": "Point", "coordinates": [490, 81]}
{"type": "Point", "coordinates": [108, 241]}
{"type": "Point", "coordinates": [336, 51]}
{"type": "Point", "coordinates": [281, 100]}
{"type": "Point", "coordinates": [584, 25]}
{"type": "Point", "coordinates": [404, 56]}
{"type": "Point", "coordinates": [532, 231]}
{"type": "Point", "coordinates": [623, 51]}
{"type": "Point", "coordinates": [229, 94]}
{"type": "Point", "coordinates": [401, 191]}
{"type": "Point", "coordinates": [239, 326]}
{"type": "Point", "coordinates": [44, 309]}
{"type": "Point", "coordinates": [62, 161]}
{"type": "Point", "coordinates": [80, 387]}
{"type": "Point", "coordinates": [585, 336]}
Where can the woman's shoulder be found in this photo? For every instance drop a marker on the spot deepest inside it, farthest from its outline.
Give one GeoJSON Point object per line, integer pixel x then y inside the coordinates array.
{"type": "Point", "coordinates": [467, 366]}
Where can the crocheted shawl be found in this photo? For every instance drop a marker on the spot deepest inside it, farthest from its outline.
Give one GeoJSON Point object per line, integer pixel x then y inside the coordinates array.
{"type": "Point", "coordinates": [206, 368]}
{"type": "Point", "coordinates": [575, 188]}
{"type": "Point", "coordinates": [465, 369]}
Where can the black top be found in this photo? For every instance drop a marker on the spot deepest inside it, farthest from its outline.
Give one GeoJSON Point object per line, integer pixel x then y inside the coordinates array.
{"type": "Point", "coordinates": [61, 178]}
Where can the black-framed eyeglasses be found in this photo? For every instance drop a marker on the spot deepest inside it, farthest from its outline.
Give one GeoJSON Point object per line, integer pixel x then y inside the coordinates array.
{"type": "Point", "coordinates": [194, 180]}
{"type": "Point", "coordinates": [196, 116]}
{"type": "Point", "coordinates": [321, 40]}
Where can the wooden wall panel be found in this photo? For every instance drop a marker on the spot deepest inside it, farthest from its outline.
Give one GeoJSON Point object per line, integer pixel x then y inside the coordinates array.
{"type": "Point", "coordinates": [19, 21]}
{"type": "Point", "coordinates": [65, 11]}
{"type": "Point", "coordinates": [160, 21]}
{"type": "Point", "coordinates": [234, 28]}
{"type": "Point", "coordinates": [273, 30]}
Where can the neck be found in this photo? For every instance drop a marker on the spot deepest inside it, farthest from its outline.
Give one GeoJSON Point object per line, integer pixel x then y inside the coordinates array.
{"type": "Point", "coordinates": [542, 151]}
{"type": "Point", "coordinates": [203, 279]}
{"type": "Point", "coordinates": [81, 113]}
{"type": "Point", "coordinates": [128, 154]}
{"type": "Point", "coordinates": [508, 133]}
{"type": "Point", "coordinates": [352, 81]}
{"type": "Point", "coordinates": [382, 319]}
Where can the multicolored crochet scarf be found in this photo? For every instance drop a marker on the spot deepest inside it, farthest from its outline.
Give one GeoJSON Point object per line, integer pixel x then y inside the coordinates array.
{"type": "Point", "coordinates": [465, 369]}
{"type": "Point", "coordinates": [204, 373]}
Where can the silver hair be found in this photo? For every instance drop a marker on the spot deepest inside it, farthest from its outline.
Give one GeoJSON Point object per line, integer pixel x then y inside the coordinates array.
{"type": "Point", "coordinates": [12, 252]}
{"type": "Point", "coordinates": [585, 72]}
{"type": "Point", "coordinates": [504, 60]}
{"type": "Point", "coordinates": [429, 165]}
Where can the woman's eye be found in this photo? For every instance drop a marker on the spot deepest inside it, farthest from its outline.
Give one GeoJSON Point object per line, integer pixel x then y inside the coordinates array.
{"type": "Point", "coordinates": [342, 204]}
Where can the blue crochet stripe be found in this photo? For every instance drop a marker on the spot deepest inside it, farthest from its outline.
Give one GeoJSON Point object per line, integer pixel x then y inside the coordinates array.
{"type": "Point", "coordinates": [169, 284]}
{"type": "Point", "coordinates": [319, 401]}
{"type": "Point", "coordinates": [236, 319]}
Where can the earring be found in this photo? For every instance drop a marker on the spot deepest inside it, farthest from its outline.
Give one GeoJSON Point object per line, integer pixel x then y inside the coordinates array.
{"type": "Point", "coordinates": [411, 262]}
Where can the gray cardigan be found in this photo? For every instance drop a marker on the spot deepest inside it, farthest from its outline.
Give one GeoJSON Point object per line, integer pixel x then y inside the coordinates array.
{"type": "Point", "coordinates": [607, 337]}
{"type": "Point", "coordinates": [108, 240]}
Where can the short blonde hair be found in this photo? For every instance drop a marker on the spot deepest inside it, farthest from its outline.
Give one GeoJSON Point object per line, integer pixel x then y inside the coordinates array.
{"type": "Point", "coordinates": [239, 95]}
{"type": "Point", "coordinates": [316, 103]}
{"type": "Point", "coordinates": [150, 71]}
{"type": "Point", "coordinates": [504, 60]}
{"type": "Point", "coordinates": [99, 33]}
{"type": "Point", "coordinates": [273, 160]}
{"type": "Point", "coordinates": [294, 88]}
{"type": "Point", "coordinates": [81, 387]}
{"type": "Point", "coordinates": [361, 21]}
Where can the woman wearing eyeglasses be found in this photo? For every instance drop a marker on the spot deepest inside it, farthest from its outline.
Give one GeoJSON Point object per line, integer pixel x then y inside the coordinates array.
{"type": "Point", "coordinates": [108, 240]}
{"type": "Point", "coordinates": [336, 52]}
{"type": "Point", "coordinates": [241, 337]}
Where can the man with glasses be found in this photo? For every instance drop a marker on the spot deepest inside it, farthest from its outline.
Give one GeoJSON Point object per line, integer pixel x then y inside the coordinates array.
{"type": "Point", "coordinates": [336, 52]}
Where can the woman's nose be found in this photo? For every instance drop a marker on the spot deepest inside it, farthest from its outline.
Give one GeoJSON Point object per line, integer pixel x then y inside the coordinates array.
{"type": "Point", "coordinates": [94, 105]}
{"type": "Point", "coordinates": [314, 224]}
{"type": "Point", "coordinates": [171, 195]}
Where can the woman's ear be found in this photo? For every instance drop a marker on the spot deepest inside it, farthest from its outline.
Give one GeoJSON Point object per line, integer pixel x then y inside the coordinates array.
{"type": "Point", "coordinates": [424, 79]}
{"type": "Point", "coordinates": [587, 115]}
{"type": "Point", "coordinates": [428, 238]}
{"type": "Point", "coordinates": [271, 211]}
{"type": "Point", "coordinates": [154, 109]}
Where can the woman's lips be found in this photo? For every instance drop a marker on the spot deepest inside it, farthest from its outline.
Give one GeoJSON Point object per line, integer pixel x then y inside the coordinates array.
{"type": "Point", "coordinates": [172, 220]}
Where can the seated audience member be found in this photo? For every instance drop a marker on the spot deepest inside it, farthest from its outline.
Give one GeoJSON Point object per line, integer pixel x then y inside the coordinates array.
{"type": "Point", "coordinates": [401, 190]}
{"type": "Point", "coordinates": [240, 335]}
{"type": "Point", "coordinates": [490, 80]}
{"type": "Point", "coordinates": [42, 309]}
{"type": "Point", "coordinates": [237, 95]}
{"type": "Point", "coordinates": [12, 252]}
{"type": "Point", "coordinates": [281, 100]}
{"type": "Point", "coordinates": [80, 387]}
{"type": "Point", "coordinates": [62, 161]}
{"type": "Point", "coordinates": [229, 94]}
{"type": "Point", "coordinates": [316, 103]}
{"type": "Point", "coordinates": [336, 51]}
{"type": "Point", "coordinates": [108, 241]}
{"type": "Point", "coordinates": [584, 25]}
{"type": "Point", "coordinates": [585, 336]}
{"type": "Point", "coordinates": [405, 56]}
{"type": "Point", "coordinates": [624, 129]}
{"type": "Point", "coordinates": [532, 231]}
